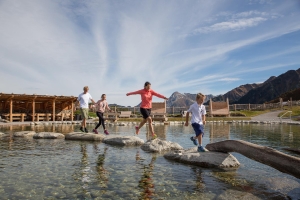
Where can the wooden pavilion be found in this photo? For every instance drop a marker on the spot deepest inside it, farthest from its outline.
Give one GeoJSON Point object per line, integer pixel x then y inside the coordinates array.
{"type": "Point", "coordinates": [34, 107]}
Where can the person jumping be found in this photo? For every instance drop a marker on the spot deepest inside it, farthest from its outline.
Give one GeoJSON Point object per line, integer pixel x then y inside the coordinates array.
{"type": "Point", "coordinates": [146, 95]}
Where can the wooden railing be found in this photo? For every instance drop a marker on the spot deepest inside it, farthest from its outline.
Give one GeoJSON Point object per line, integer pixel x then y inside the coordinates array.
{"type": "Point", "coordinates": [232, 107]}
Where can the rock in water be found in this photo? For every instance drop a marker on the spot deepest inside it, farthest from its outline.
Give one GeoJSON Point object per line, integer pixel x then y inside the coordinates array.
{"type": "Point", "coordinates": [24, 134]}
{"type": "Point", "coordinates": [235, 194]}
{"type": "Point", "coordinates": [158, 145]}
{"type": "Point", "coordinates": [84, 136]}
{"type": "Point", "coordinates": [1, 134]}
{"type": "Point", "coordinates": [205, 159]}
{"type": "Point", "coordinates": [266, 155]}
{"type": "Point", "coordinates": [48, 135]}
{"type": "Point", "coordinates": [124, 140]}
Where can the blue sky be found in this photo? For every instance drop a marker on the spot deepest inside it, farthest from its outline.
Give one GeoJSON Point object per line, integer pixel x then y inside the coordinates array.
{"type": "Point", "coordinates": [56, 47]}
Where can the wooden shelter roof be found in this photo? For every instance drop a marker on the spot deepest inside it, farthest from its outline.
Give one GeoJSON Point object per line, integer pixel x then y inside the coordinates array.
{"type": "Point", "coordinates": [41, 98]}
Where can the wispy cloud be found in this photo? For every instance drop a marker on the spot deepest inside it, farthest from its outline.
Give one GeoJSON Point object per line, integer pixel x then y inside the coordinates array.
{"type": "Point", "coordinates": [232, 25]}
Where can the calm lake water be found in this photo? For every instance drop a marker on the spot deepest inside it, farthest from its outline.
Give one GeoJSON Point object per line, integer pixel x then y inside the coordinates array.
{"type": "Point", "coordinates": [63, 169]}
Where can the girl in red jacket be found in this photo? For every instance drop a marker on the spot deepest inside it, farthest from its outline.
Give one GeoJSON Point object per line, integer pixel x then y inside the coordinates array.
{"type": "Point", "coordinates": [146, 105]}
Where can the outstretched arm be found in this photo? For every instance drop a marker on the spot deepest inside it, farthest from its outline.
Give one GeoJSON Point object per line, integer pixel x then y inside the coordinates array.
{"type": "Point", "coordinates": [136, 92]}
{"type": "Point", "coordinates": [159, 95]}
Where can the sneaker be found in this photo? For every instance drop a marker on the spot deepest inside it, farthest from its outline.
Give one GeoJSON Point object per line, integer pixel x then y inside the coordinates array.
{"type": "Point", "coordinates": [201, 149]}
{"type": "Point", "coordinates": [154, 136]}
{"type": "Point", "coordinates": [81, 129]}
{"type": "Point", "coordinates": [194, 141]}
{"type": "Point", "coordinates": [106, 132]}
{"type": "Point", "coordinates": [95, 131]}
{"type": "Point", "coordinates": [137, 130]}
{"type": "Point", "coordinates": [85, 130]}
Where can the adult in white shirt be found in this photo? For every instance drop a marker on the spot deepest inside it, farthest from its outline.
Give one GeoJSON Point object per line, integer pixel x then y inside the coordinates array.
{"type": "Point", "coordinates": [83, 100]}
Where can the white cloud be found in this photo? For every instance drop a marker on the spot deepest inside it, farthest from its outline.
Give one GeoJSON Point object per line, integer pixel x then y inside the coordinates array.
{"type": "Point", "coordinates": [232, 25]}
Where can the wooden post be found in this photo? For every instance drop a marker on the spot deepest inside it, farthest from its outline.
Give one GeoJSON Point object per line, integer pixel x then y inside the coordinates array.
{"type": "Point", "coordinates": [53, 110]}
{"type": "Point", "coordinates": [227, 101]}
{"type": "Point", "coordinates": [249, 107]}
{"type": "Point", "coordinates": [33, 109]}
{"type": "Point", "coordinates": [210, 108]}
{"type": "Point", "coordinates": [62, 111]}
{"type": "Point", "coordinates": [173, 110]}
{"type": "Point", "coordinates": [280, 101]}
{"type": "Point", "coordinates": [264, 106]}
{"type": "Point", "coordinates": [291, 102]}
{"type": "Point", "coordinates": [72, 110]}
{"type": "Point", "coordinates": [10, 110]}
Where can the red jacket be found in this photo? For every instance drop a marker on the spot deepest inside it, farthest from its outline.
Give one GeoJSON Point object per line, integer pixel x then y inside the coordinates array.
{"type": "Point", "coordinates": [146, 96]}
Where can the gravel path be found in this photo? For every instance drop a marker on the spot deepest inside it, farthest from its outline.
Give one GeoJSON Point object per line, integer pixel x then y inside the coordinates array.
{"type": "Point", "coordinates": [270, 116]}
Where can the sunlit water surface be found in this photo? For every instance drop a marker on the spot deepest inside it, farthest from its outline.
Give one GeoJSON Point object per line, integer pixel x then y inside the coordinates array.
{"type": "Point", "coordinates": [53, 169]}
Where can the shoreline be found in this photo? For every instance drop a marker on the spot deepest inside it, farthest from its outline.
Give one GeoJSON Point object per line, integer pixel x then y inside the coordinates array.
{"type": "Point", "coordinates": [124, 123]}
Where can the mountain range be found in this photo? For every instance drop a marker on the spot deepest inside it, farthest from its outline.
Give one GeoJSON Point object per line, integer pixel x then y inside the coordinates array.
{"type": "Point", "coordinates": [256, 93]}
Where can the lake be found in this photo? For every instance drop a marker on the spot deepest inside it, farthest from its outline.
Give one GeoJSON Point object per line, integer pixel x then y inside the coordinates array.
{"type": "Point", "coordinates": [64, 169]}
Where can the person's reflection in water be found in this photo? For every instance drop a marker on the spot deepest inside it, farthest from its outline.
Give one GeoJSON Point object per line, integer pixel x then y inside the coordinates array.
{"type": "Point", "coordinates": [200, 186]}
{"type": "Point", "coordinates": [137, 156]}
{"type": "Point", "coordinates": [85, 179]}
{"type": "Point", "coordinates": [102, 173]}
{"type": "Point", "coordinates": [146, 182]}
{"type": "Point", "coordinates": [161, 131]}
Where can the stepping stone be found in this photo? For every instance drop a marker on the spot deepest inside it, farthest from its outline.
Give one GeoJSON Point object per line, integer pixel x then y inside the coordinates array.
{"type": "Point", "coordinates": [84, 136]}
{"type": "Point", "coordinates": [207, 159]}
{"type": "Point", "coordinates": [123, 140]}
{"type": "Point", "coordinates": [158, 145]}
{"type": "Point", "coordinates": [48, 135]}
{"type": "Point", "coordinates": [24, 134]}
{"type": "Point", "coordinates": [1, 134]}
{"type": "Point", "coordinates": [235, 194]}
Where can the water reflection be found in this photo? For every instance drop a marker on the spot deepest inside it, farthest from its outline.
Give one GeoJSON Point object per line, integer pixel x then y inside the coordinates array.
{"type": "Point", "coordinates": [146, 182]}
{"type": "Point", "coordinates": [84, 169]}
{"type": "Point", "coordinates": [219, 132]}
{"type": "Point", "coordinates": [102, 175]}
{"type": "Point", "coordinates": [199, 182]}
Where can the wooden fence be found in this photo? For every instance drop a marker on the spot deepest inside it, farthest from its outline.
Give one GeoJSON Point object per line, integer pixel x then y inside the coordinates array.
{"type": "Point", "coordinates": [232, 107]}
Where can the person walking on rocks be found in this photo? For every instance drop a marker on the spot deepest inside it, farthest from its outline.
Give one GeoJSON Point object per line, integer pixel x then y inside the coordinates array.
{"type": "Point", "coordinates": [101, 105]}
{"type": "Point", "coordinates": [146, 95]}
{"type": "Point", "coordinates": [197, 120]}
{"type": "Point", "coordinates": [83, 100]}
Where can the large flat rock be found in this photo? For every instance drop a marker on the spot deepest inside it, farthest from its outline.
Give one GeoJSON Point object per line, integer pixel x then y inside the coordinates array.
{"type": "Point", "coordinates": [237, 195]}
{"type": "Point", "coordinates": [24, 134]}
{"type": "Point", "coordinates": [48, 135]}
{"type": "Point", "coordinates": [158, 145]}
{"type": "Point", "coordinates": [124, 140]}
{"type": "Point", "coordinates": [84, 136]}
{"type": "Point", "coordinates": [206, 159]}
{"type": "Point", "coordinates": [283, 185]}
